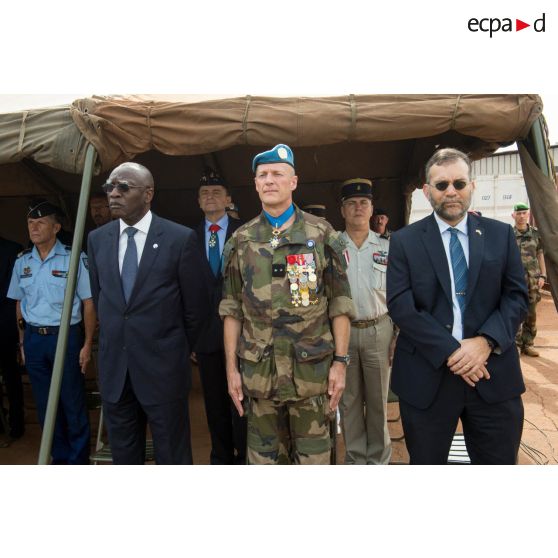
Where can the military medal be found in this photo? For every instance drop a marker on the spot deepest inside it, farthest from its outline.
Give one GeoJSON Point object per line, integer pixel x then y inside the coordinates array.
{"type": "Point", "coordinates": [274, 240]}
{"type": "Point", "coordinates": [277, 223]}
{"type": "Point", "coordinates": [303, 281]}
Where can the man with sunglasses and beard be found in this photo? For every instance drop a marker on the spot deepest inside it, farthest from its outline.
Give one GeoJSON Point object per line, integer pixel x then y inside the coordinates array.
{"type": "Point", "coordinates": [456, 290]}
{"type": "Point", "coordinates": [149, 296]}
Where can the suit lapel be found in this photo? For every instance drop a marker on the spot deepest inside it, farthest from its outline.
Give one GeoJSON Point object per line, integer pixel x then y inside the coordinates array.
{"type": "Point", "coordinates": [149, 255]}
{"type": "Point", "coordinates": [114, 241]}
{"type": "Point", "coordinates": [476, 250]}
{"type": "Point", "coordinates": [201, 242]}
{"type": "Point", "coordinates": [432, 240]}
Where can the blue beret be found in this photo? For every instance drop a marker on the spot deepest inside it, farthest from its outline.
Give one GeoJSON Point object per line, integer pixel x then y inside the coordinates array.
{"type": "Point", "coordinates": [361, 187]}
{"type": "Point", "coordinates": [281, 153]}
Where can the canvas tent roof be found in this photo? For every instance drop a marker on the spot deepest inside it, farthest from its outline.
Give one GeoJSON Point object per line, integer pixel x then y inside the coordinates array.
{"type": "Point", "coordinates": [384, 137]}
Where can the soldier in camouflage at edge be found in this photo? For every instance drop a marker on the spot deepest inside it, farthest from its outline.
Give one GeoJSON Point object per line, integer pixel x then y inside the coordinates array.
{"type": "Point", "coordinates": [530, 246]}
{"type": "Point", "coordinates": [287, 308]}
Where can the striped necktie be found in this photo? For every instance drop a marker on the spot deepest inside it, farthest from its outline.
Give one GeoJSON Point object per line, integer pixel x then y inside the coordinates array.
{"type": "Point", "coordinates": [460, 270]}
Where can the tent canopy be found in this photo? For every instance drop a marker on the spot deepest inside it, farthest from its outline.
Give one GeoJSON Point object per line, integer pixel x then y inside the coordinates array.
{"type": "Point", "coordinates": [386, 138]}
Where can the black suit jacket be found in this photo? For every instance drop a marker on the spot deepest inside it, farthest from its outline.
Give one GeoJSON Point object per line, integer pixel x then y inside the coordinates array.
{"type": "Point", "coordinates": [151, 336]}
{"type": "Point", "coordinates": [210, 339]}
{"type": "Point", "coordinates": [419, 302]}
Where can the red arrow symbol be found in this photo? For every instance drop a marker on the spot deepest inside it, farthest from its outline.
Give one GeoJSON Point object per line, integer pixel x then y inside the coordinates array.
{"type": "Point", "coordinates": [519, 25]}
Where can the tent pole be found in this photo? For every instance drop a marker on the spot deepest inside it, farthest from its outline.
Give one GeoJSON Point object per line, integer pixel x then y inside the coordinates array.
{"type": "Point", "coordinates": [62, 343]}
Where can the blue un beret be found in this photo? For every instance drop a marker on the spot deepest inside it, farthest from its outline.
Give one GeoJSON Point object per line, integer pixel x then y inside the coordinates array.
{"type": "Point", "coordinates": [281, 153]}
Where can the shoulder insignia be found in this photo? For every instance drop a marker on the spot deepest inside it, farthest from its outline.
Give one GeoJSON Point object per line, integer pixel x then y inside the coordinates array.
{"type": "Point", "coordinates": [85, 260]}
{"type": "Point", "coordinates": [68, 247]}
{"type": "Point", "coordinates": [339, 245]}
{"type": "Point", "coordinates": [23, 252]}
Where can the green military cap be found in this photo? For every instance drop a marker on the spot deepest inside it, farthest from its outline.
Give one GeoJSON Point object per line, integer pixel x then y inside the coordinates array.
{"type": "Point", "coordinates": [361, 187]}
{"type": "Point", "coordinates": [520, 207]}
{"type": "Point", "coordinates": [281, 153]}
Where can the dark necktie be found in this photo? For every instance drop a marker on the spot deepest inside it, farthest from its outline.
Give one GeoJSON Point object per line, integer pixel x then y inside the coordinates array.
{"type": "Point", "coordinates": [130, 264]}
{"type": "Point", "coordinates": [460, 270]}
{"type": "Point", "coordinates": [214, 254]}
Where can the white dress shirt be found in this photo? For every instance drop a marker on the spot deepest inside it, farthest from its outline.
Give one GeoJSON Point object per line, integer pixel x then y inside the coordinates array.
{"type": "Point", "coordinates": [140, 237]}
{"type": "Point", "coordinates": [463, 237]}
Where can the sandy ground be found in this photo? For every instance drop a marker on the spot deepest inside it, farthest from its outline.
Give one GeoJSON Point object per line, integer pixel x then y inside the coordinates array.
{"type": "Point", "coordinates": [540, 434]}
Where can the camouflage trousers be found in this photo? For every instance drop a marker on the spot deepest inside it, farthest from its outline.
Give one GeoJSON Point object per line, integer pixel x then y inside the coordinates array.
{"type": "Point", "coordinates": [284, 433]}
{"type": "Point", "coordinates": [528, 329]}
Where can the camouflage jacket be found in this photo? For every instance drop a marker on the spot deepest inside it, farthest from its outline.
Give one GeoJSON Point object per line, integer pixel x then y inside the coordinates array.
{"type": "Point", "coordinates": [530, 246]}
{"type": "Point", "coordinates": [285, 350]}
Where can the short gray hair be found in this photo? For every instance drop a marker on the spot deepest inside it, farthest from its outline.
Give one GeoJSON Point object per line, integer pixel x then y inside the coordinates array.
{"type": "Point", "coordinates": [445, 156]}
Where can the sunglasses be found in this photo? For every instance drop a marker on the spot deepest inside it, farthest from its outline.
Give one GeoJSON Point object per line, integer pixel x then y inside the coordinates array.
{"type": "Point", "coordinates": [122, 187]}
{"type": "Point", "coordinates": [457, 184]}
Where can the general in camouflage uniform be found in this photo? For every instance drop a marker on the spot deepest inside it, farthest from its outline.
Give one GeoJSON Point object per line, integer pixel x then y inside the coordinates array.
{"type": "Point", "coordinates": [287, 307]}
{"type": "Point", "coordinates": [530, 246]}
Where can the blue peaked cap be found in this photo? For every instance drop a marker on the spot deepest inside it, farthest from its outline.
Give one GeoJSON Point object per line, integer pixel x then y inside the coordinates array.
{"type": "Point", "coordinates": [281, 153]}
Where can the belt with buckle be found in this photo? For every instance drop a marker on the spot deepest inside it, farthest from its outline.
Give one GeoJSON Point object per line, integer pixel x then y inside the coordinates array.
{"type": "Point", "coordinates": [47, 330]}
{"type": "Point", "coordinates": [363, 324]}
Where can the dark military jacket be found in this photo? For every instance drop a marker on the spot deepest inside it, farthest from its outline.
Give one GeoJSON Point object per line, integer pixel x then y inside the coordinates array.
{"type": "Point", "coordinates": [285, 348]}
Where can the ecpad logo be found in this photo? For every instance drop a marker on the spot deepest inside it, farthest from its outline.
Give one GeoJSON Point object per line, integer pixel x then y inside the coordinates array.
{"type": "Point", "coordinates": [492, 25]}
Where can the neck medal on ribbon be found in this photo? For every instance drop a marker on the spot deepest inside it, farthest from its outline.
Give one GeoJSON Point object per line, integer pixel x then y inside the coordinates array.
{"type": "Point", "coordinates": [277, 223]}
{"type": "Point", "coordinates": [301, 271]}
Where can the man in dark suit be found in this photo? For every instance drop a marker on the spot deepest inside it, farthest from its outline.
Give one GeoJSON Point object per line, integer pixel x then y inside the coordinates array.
{"type": "Point", "coordinates": [149, 296]}
{"type": "Point", "coordinates": [9, 338]}
{"type": "Point", "coordinates": [456, 290]}
{"type": "Point", "coordinates": [226, 427]}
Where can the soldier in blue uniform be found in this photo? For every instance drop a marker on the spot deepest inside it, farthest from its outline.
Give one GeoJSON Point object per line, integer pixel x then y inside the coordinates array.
{"type": "Point", "coordinates": [38, 285]}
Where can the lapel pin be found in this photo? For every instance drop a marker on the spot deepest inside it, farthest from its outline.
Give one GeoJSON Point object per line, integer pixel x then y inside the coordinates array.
{"type": "Point", "coordinates": [157, 246]}
{"type": "Point", "coordinates": [478, 231]}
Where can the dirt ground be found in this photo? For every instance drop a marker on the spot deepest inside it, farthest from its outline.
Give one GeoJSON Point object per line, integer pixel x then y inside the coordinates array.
{"type": "Point", "coordinates": [540, 434]}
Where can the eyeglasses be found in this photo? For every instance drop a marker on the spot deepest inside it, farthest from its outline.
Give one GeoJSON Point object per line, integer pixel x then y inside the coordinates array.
{"type": "Point", "coordinates": [457, 184]}
{"type": "Point", "coordinates": [122, 187]}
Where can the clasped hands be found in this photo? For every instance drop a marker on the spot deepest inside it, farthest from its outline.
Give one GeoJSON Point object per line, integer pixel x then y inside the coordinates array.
{"type": "Point", "coordinates": [469, 361]}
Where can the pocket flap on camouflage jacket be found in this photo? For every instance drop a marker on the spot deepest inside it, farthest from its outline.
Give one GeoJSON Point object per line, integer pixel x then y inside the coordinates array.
{"type": "Point", "coordinates": [313, 351]}
{"type": "Point", "coordinates": [251, 350]}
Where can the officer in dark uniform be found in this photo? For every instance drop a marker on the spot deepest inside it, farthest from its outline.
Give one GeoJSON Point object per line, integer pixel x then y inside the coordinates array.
{"type": "Point", "coordinates": [38, 285]}
{"type": "Point", "coordinates": [226, 427]}
{"type": "Point", "coordinates": [8, 340]}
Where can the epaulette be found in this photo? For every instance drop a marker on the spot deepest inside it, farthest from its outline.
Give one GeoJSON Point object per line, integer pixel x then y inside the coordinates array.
{"type": "Point", "coordinates": [68, 247]}
{"type": "Point", "coordinates": [23, 252]}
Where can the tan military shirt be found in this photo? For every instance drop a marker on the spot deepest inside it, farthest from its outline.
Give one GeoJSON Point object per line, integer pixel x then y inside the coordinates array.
{"type": "Point", "coordinates": [367, 275]}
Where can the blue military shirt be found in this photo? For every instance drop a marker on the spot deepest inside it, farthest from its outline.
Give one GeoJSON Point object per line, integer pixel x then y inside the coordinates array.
{"type": "Point", "coordinates": [40, 285]}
